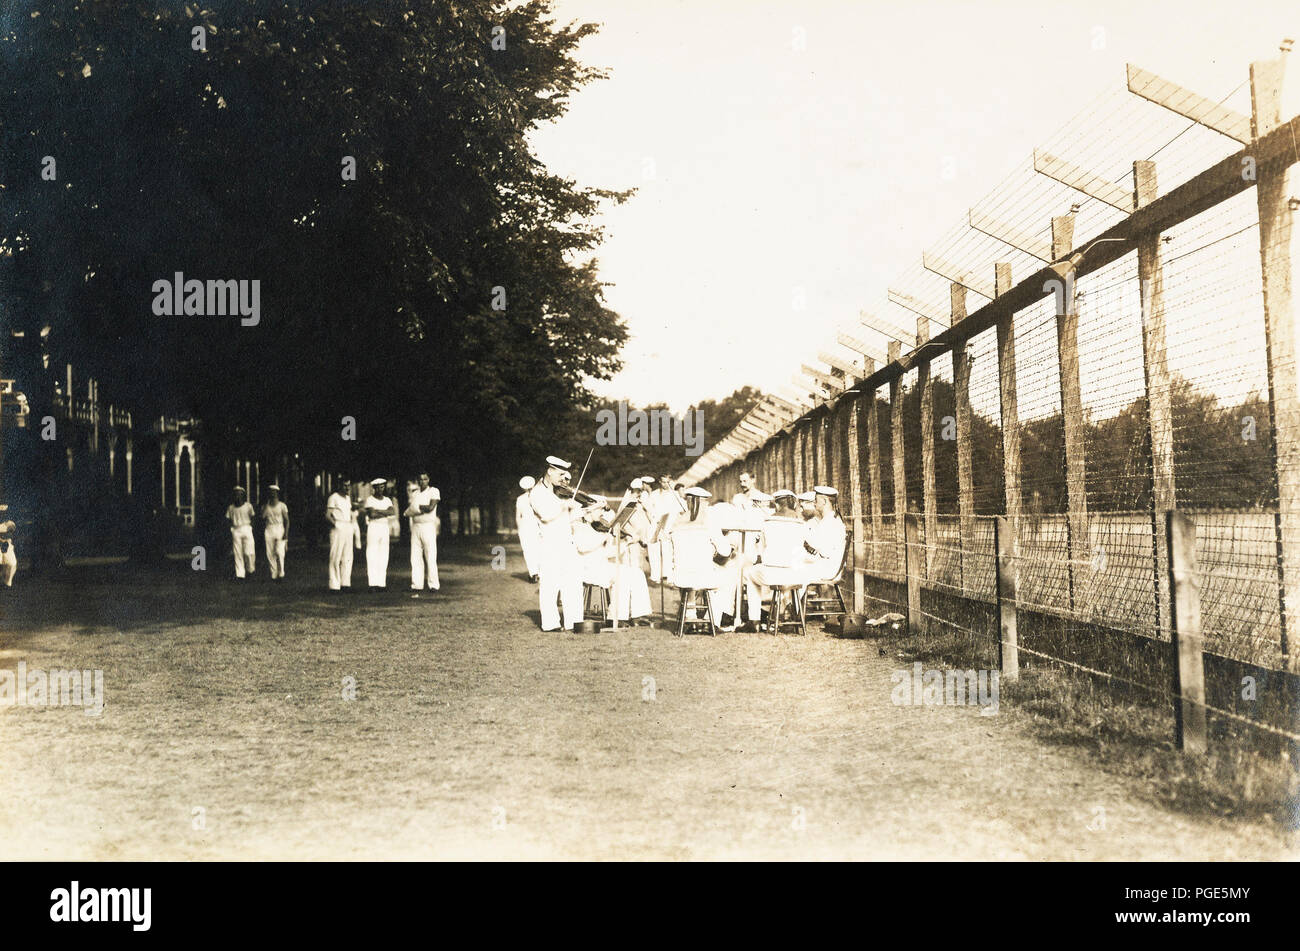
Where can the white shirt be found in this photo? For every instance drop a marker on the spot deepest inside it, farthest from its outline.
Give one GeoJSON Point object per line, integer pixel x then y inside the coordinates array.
{"type": "Point", "coordinates": [276, 514]}
{"type": "Point", "coordinates": [827, 535]}
{"type": "Point", "coordinates": [338, 510]}
{"type": "Point", "coordinates": [377, 509]}
{"type": "Point", "coordinates": [241, 516]}
{"type": "Point", "coordinates": [422, 497]}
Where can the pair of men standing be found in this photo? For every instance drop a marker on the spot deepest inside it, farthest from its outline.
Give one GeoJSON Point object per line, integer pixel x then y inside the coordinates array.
{"type": "Point", "coordinates": [380, 511]}
{"type": "Point", "coordinates": [275, 518]}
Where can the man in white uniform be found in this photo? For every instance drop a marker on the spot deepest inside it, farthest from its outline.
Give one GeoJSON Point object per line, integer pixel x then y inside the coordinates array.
{"type": "Point", "coordinates": [379, 511]}
{"type": "Point", "coordinates": [275, 517]}
{"type": "Point", "coordinates": [240, 516]}
{"type": "Point", "coordinates": [530, 533]}
{"type": "Point", "coordinates": [344, 534]}
{"type": "Point", "coordinates": [560, 574]}
{"type": "Point", "coordinates": [706, 574]}
{"type": "Point", "coordinates": [8, 557]}
{"type": "Point", "coordinates": [423, 511]}
{"type": "Point", "coordinates": [826, 539]}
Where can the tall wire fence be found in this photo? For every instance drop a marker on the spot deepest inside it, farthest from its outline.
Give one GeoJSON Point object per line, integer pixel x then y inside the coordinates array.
{"type": "Point", "coordinates": [1153, 378]}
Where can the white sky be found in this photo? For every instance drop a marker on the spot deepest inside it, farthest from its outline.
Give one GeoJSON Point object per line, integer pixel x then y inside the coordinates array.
{"type": "Point", "coordinates": [764, 169]}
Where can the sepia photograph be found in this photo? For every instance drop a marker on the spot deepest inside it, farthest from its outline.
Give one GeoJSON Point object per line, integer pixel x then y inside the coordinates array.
{"type": "Point", "coordinates": [573, 431]}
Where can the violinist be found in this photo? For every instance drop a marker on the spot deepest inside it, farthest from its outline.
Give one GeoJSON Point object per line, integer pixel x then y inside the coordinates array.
{"type": "Point", "coordinates": [559, 574]}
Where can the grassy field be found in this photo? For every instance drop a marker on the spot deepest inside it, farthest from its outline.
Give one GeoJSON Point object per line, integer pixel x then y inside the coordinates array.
{"type": "Point", "coordinates": [226, 735]}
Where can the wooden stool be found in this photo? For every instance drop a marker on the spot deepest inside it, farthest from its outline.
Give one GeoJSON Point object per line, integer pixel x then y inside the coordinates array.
{"type": "Point", "coordinates": [690, 601]}
{"type": "Point", "coordinates": [779, 594]}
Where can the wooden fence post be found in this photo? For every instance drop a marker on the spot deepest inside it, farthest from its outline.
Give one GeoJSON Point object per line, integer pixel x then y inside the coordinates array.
{"type": "Point", "coordinates": [896, 459]}
{"type": "Point", "coordinates": [961, 366]}
{"type": "Point", "coordinates": [855, 504]}
{"type": "Point", "coordinates": [1155, 365]}
{"type": "Point", "coordinates": [1189, 666]}
{"type": "Point", "coordinates": [929, 503]}
{"type": "Point", "coordinates": [913, 566]}
{"type": "Point", "coordinates": [1067, 349]}
{"type": "Point", "coordinates": [1005, 543]}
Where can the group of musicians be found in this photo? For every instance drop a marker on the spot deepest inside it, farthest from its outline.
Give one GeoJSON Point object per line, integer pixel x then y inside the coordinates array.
{"type": "Point", "coordinates": [753, 543]}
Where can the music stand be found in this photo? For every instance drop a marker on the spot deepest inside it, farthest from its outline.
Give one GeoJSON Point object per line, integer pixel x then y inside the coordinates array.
{"type": "Point", "coordinates": [657, 538]}
{"type": "Point", "coordinates": [616, 528]}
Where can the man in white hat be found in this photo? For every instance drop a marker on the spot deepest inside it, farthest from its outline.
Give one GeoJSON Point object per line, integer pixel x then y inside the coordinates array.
{"type": "Point", "coordinates": [807, 505]}
{"type": "Point", "coordinates": [782, 558]}
{"type": "Point", "coordinates": [826, 539]}
{"type": "Point", "coordinates": [423, 511]}
{"type": "Point", "coordinates": [275, 519]}
{"type": "Point", "coordinates": [378, 509]}
{"type": "Point", "coordinates": [239, 515]}
{"type": "Point", "coordinates": [530, 533]}
{"type": "Point", "coordinates": [8, 557]}
{"type": "Point", "coordinates": [559, 568]}
{"type": "Point", "coordinates": [690, 568]}
{"type": "Point", "coordinates": [345, 533]}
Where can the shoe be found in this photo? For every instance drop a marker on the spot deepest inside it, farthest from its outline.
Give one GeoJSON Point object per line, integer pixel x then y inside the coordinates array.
{"type": "Point", "coordinates": [416, 596]}
{"type": "Point", "coordinates": [749, 627]}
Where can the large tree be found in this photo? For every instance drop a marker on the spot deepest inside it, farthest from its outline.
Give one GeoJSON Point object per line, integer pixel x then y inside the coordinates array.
{"type": "Point", "coordinates": [446, 298]}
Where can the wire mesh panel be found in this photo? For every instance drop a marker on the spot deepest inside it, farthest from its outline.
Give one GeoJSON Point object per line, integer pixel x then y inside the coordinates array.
{"type": "Point", "coordinates": [1236, 560]}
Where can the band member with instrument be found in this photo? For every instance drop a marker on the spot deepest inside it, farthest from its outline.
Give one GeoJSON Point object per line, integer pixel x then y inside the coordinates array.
{"type": "Point", "coordinates": [686, 538]}
{"type": "Point", "coordinates": [557, 507]}
{"type": "Point", "coordinates": [783, 536]}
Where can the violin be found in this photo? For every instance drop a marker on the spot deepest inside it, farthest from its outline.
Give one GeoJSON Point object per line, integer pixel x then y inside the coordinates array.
{"type": "Point", "coordinates": [568, 492]}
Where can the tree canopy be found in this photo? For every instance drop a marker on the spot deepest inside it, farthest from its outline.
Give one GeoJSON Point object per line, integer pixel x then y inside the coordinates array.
{"type": "Point", "coordinates": [446, 297]}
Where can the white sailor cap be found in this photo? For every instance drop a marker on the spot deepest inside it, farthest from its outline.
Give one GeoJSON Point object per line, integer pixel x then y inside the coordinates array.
{"type": "Point", "coordinates": [635, 485]}
{"type": "Point", "coordinates": [239, 488]}
{"type": "Point", "coordinates": [558, 463]}
{"type": "Point", "coordinates": [806, 496]}
{"type": "Point", "coordinates": [782, 494]}
{"type": "Point", "coordinates": [695, 492]}
{"type": "Point", "coordinates": [825, 490]}
{"type": "Point", "coordinates": [527, 482]}
{"type": "Point", "coordinates": [759, 496]}
{"type": "Point", "coordinates": [273, 488]}
{"type": "Point", "coordinates": [379, 482]}
{"type": "Point", "coordinates": [648, 480]}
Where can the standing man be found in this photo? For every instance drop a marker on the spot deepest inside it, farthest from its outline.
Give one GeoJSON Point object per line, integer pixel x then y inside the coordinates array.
{"type": "Point", "coordinates": [275, 517]}
{"type": "Point", "coordinates": [344, 534]}
{"type": "Point", "coordinates": [423, 511]}
{"type": "Point", "coordinates": [560, 569]}
{"type": "Point", "coordinates": [239, 514]}
{"type": "Point", "coordinates": [530, 532]}
{"type": "Point", "coordinates": [378, 510]}
{"type": "Point", "coordinates": [8, 557]}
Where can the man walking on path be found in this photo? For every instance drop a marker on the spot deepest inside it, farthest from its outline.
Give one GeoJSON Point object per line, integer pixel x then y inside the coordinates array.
{"type": "Point", "coordinates": [239, 514]}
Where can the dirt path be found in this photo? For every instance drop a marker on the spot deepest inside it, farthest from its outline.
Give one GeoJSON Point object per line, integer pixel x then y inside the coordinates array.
{"type": "Point", "coordinates": [475, 735]}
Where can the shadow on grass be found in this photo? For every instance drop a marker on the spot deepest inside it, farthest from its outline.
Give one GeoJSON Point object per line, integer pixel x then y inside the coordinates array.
{"type": "Point", "coordinates": [148, 599]}
{"type": "Point", "coordinates": [1127, 733]}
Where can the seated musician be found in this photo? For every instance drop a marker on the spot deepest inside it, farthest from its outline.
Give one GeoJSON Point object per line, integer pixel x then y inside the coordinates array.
{"type": "Point", "coordinates": [823, 549]}
{"type": "Point", "coordinates": [807, 505]}
{"type": "Point", "coordinates": [630, 598]}
{"type": "Point", "coordinates": [782, 553]}
{"type": "Point", "coordinates": [700, 525]}
{"type": "Point", "coordinates": [609, 563]}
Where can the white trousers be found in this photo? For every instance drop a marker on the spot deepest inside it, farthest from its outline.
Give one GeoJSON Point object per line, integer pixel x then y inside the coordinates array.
{"type": "Point", "coordinates": [341, 540]}
{"type": "Point", "coordinates": [8, 566]}
{"type": "Point", "coordinates": [560, 578]}
{"type": "Point", "coordinates": [631, 596]}
{"type": "Point", "coordinates": [530, 540]}
{"type": "Point", "coordinates": [241, 545]}
{"type": "Point", "coordinates": [424, 552]}
{"type": "Point", "coordinates": [377, 536]}
{"type": "Point", "coordinates": [659, 565]}
{"type": "Point", "coordinates": [276, 545]}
